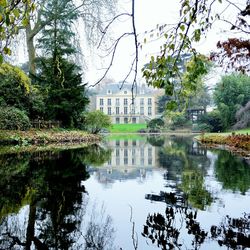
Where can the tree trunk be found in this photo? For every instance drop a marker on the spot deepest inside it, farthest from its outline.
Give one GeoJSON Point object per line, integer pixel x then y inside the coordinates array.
{"type": "Point", "coordinates": [31, 226]}
{"type": "Point", "coordinates": [31, 49]}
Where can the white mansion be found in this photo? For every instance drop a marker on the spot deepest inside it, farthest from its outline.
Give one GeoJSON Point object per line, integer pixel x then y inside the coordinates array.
{"type": "Point", "coordinates": [117, 102]}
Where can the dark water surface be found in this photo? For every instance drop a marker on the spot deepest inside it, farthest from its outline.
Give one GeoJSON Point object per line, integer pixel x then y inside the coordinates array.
{"type": "Point", "coordinates": [129, 193]}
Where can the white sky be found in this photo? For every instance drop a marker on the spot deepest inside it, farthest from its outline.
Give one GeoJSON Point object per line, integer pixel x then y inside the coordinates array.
{"type": "Point", "coordinates": [148, 14]}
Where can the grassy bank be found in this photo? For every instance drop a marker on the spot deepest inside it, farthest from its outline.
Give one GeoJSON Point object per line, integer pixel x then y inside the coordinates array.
{"type": "Point", "coordinates": [239, 139]}
{"type": "Point", "coordinates": [127, 128]}
{"type": "Point", "coordinates": [46, 137]}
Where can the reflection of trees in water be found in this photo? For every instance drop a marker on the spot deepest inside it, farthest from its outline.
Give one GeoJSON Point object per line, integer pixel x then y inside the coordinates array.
{"type": "Point", "coordinates": [99, 231]}
{"type": "Point", "coordinates": [54, 193]}
{"type": "Point", "coordinates": [186, 162]}
{"type": "Point", "coordinates": [164, 229]}
{"type": "Point", "coordinates": [156, 140]}
{"type": "Point", "coordinates": [96, 155]}
{"type": "Point", "coordinates": [232, 172]}
{"type": "Point", "coordinates": [14, 171]}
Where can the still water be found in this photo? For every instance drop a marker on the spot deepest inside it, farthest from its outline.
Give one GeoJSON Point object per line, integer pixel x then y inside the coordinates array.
{"type": "Point", "coordinates": [128, 193]}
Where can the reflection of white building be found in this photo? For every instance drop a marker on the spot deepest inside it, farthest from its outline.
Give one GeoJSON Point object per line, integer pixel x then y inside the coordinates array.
{"type": "Point", "coordinates": [119, 104]}
{"type": "Point", "coordinates": [128, 155]}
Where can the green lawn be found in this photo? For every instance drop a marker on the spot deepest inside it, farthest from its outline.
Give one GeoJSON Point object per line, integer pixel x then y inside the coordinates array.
{"type": "Point", "coordinates": [127, 128]}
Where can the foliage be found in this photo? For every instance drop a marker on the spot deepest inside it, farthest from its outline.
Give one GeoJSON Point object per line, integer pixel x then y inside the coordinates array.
{"type": "Point", "coordinates": [178, 119]}
{"type": "Point", "coordinates": [13, 119]}
{"type": "Point", "coordinates": [58, 35]}
{"type": "Point", "coordinates": [238, 173]}
{"type": "Point", "coordinates": [212, 120]}
{"type": "Point", "coordinates": [11, 73]}
{"type": "Point", "coordinates": [13, 15]}
{"type": "Point", "coordinates": [17, 91]}
{"type": "Point", "coordinates": [233, 55]}
{"type": "Point", "coordinates": [237, 141]}
{"type": "Point", "coordinates": [196, 19]}
{"type": "Point", "coordinates": [155, 123]}
{"type": "Point", "coordinates": [203, 127]}
{"type": "Point", "coordinates": [243, 117]}
{"type": "Point", "coordinates": [95, 155]}
{"type": "Point", "coordinates": [179, 80]}
{"type": "Point", "coordinates": [230, 94]}
{"type": "Point", "coordinates": [60, 78]}
{"type": "Point", "coordinates": [38, 137]}
{"type": "Point", "coordinates": [156, 141]}
{"type": "Point", "coordinates": [65, 95]}
{"type": "Point", "coordinates": [161, 103]}
{"type": "Point", "coordinates": [95, 121]}
{"type": "Point", "coordinates": [193, 186]}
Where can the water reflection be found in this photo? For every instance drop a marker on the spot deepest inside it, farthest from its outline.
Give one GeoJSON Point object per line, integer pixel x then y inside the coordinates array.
{"type": "Point", "coordinates": [182, 195]}
{"type": "Point", "coordinates": [51, 188]}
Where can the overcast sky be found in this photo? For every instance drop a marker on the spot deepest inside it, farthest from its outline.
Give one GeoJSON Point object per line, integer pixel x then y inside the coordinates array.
{"type": "Point", "coordinates": [148, 14]}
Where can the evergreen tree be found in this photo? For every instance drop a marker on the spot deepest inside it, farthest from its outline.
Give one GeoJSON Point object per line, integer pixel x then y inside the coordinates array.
{"type": "Point", "coordinates": [59, 76]}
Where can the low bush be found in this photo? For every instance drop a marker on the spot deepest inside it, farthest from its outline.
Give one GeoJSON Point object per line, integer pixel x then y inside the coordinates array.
{"type": "Point", "coordinates": [13, 119]}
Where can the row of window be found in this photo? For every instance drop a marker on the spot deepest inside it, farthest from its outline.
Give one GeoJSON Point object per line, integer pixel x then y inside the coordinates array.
{"type": "Point", "coordinates": [125, 111]}
{"type": "Point", "coordinates": [125, 101]}
{"type": "Point", "coordinates": [133, 161]}
{"type": "Point", "coordinates": [125, 152]}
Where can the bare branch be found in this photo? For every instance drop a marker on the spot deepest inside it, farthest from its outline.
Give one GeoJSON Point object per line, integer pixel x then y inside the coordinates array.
{"type": "Point", "coordinates": [109, 24]}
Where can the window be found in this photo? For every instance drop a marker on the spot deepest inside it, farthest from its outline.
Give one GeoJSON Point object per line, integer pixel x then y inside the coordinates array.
{"type": "Point", "coordinates": [142, 101]}
{"type": "Point", "coordinates": [109, 110]}
{"type": "Point", "coordinates": [142, 152]}
{"type": "Point", "coordinates": [109, 101]}
{"type": "Point", "coordinates": [149, 111]}
{"type": "Point", "coordinates": [117, 152]}
{"type": "Point", "coordinates": [117, 111]}
{"type": "Point", "coordinates": [101, 109]}
{"type": "Point", "coordinates": [142, 110]}
{"type": "Point", "coordinates": [125, 110]}
{"type": "Point", "coordinates": [133, 161]}
{"type": "Point", "coordinates": [117, 101]}
{"type": "Point", "coordinates": [117, 161]}
{"type": "Point", "coordinates": [149, 101]}
{"type": "Point", "coordinates": [150, 161]}
{"type": "Point", "coordinates": [117, 143]}
{"type": "Point", "coordinates": [125, 92]}
{"type": "Point", "coordinates": [125, 161]}
{"type": "Point", "coordinates": [134, 120]}
{"type": "Point", "coordinates": [133, 151]}
{"type": "Point", "coordinates": [125, 152]}
{"type": "Point", "coordinates": [125, 143]}
{"type": "Point", "coordinates": [142, 161]}
{"type": "Point", "coordinates": [101, 102]}
{"type": "Point", "coordinates": [149, 152]}
{"type": "Point", "coordinates": [117, 120]}
{"type": "Point", "coordinates": [134, 142]}
{"type": "Point", "coordinates": [125, 101]}
{"type": "Point", "coordinates": [125, 119]}
{"type": "Point", "coordinates": [109, 162]}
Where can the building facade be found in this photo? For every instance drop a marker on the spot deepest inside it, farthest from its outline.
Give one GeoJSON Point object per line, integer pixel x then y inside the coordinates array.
{"type": "Point", "coordinates": [120, 105]}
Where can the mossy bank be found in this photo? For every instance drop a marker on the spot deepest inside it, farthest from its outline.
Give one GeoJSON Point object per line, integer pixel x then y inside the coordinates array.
{"type": "Point", "coordinates": [41, 137]}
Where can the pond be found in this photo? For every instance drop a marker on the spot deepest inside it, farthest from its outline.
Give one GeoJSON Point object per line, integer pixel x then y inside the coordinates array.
{"type": "Point", "coordinates": [131, 192]}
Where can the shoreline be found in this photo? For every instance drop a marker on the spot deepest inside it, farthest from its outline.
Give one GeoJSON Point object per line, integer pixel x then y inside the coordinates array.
{"type": "Point", "coordinates": [238, 144]}
{"type": "Point", "coordinates": [46, 137]}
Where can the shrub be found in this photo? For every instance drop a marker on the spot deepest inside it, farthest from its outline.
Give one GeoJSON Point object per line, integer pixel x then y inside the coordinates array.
{"type": "Point", "coordinates": [96, 121]}
{"type": "Point", "coordinates": [13, 119]}
{"type": "Point", "coordinates": [213, 120]}
{"type": "Point", "coordinates": [155, 123]}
